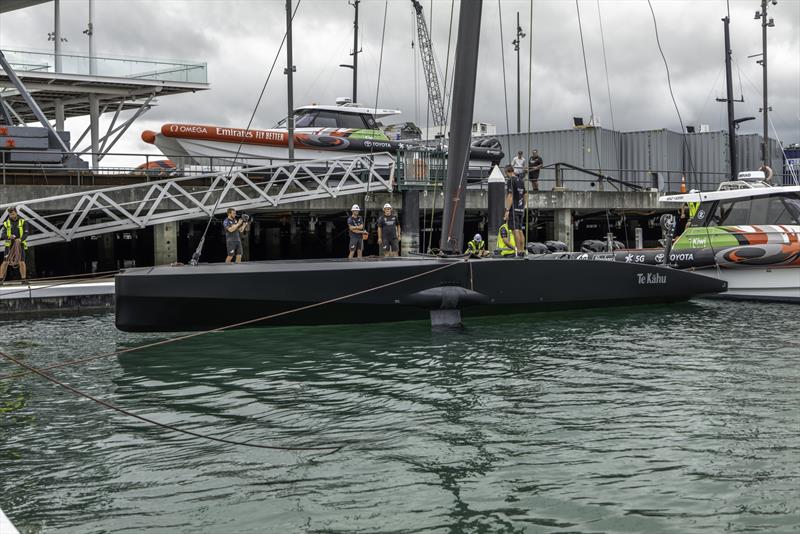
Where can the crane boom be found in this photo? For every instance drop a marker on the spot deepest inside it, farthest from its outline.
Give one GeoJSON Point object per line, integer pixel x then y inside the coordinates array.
{"type": "Point", "coordinates": [429, 66]}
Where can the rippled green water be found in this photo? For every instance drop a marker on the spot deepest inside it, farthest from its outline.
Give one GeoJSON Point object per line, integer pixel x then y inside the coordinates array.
{"type": "Point", "coordinates": [663, 419]}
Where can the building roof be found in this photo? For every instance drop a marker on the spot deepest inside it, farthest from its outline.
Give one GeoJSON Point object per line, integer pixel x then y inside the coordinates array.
{"type": "Point", "coordinates": [12, 5]}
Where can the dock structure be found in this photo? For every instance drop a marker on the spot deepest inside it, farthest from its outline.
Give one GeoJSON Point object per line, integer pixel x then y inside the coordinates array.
{"type": "Point", "coordinates": [53, 295]}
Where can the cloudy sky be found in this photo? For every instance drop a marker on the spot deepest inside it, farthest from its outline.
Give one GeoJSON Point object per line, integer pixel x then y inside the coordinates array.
{"type": "Point", "coordinates": [239, 39]}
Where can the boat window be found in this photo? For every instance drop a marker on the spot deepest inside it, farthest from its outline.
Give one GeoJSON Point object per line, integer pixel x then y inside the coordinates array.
{"type": "Point", "coordinates": [351, 120]}
{"type": "Point", "coordinates": [731, 213]}
{"type": "Point", "coordinates": [773, 209]}
{"type": "Point", "coordinates": [304, 119]}
{"type": "Point", "coordinates": [326, 119]}
{"type": "Point", "coordinates": [783, 210]}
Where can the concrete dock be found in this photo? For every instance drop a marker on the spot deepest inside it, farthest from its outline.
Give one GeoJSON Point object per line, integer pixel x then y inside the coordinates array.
{"type": "Point", "coordinates": [55, 295]}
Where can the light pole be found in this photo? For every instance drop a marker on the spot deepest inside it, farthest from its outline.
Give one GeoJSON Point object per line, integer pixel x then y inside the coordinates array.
{"type": "Point", "coordinates": [765, 23]}
{"type": "Point", "coordinates": [516, 43]}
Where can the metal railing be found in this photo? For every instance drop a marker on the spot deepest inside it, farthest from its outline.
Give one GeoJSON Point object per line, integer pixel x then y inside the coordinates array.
{"type": "Point", "coordinates": [66, 217]}
{"type": "Point", "coordinates": [120, 67]}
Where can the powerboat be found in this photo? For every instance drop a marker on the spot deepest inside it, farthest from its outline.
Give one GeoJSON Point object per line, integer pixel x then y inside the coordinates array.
{"type": "Point", "coordinates": [746, 233]}
{"type": "Point", "coordinates": [320, 132]}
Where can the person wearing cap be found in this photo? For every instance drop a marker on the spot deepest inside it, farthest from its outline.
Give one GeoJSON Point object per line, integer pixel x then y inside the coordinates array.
{"type": "Point", "coordinates": [477, 247]}
{"type": "Point", "coordinates": [516, 200]}
{"type": "Point", "coordinates": [355, 223]}
{"type": "Point", "coordinates": [389, 231]}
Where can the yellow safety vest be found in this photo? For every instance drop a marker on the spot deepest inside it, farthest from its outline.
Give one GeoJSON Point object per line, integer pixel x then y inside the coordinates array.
{"type": "Point", "coordinates": [693, 207]}
{"type": "Point", "coordinates": [501, 243]}
{"type": "Point", "coordinates": [475, 246]}
{"type": "Point", "coordinates": [22, 237]}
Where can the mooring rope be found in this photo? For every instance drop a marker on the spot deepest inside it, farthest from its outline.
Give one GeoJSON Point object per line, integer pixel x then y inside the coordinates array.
{"type": "Point", "coordinates": [199, 250]}
{"type": "Point", "coordinates": [235, 325]}
{"type": "Point", "coordinates": [173, 428]}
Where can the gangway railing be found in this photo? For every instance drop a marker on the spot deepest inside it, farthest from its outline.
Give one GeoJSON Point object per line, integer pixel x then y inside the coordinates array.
{"type": "Point", "coordinates": [66, 217]}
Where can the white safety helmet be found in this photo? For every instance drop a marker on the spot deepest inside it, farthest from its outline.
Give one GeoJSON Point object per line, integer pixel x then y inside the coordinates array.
{"type": "Point", "coordinates": [387, 205]}
{"type": "Point", "coordinates": [477, 237]}
{"type": "Point", "coordinates": [355, 208]}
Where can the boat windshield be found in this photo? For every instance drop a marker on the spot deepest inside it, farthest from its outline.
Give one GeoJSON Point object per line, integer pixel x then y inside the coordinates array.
{"type": "Point", "coordinates": [313, 118]}
{"type": "Point", "coordinates": [782, 208]}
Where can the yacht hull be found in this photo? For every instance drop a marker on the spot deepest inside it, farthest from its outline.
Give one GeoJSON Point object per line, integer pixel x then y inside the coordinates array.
{"type": "Point", "coordinates": [383, 290]}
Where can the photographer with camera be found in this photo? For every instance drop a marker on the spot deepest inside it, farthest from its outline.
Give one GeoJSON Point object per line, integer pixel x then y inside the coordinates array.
{"type": "Point", "coordinates": [234, 228]}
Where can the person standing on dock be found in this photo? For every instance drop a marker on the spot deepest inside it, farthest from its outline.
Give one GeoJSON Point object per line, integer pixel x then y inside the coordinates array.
{"type": "Point", "coordinates": [355, 223]}
{"type": "Point", "coordinates": [535, 165]}
{"type": "Point", "coordinates": [519, 164]}
{"type": "Point", "coordinates": [389, 231]}
{"type": "Point", "coordinates": [15, 234]}
{"type": "Point", "coordinates": [234, 228]}
{"type": "Point", "coordinates": [516, 201]}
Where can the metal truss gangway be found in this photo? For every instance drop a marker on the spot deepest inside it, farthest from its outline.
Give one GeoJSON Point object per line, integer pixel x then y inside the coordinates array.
{"type": "Point", "coordinates": [63, 218]}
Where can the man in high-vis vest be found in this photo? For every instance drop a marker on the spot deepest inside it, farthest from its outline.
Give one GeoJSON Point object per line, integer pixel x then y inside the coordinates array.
{"type": "Point", "coordinates": [15, 234]}
{"type": "Point", "coordinates": [477, 247]}
{"type": "Point", "coordinates": [506, 244]}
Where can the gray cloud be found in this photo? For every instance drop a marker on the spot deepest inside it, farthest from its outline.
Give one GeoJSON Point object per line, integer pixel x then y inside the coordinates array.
{"type": "Point", "coordinates": [239, 39]}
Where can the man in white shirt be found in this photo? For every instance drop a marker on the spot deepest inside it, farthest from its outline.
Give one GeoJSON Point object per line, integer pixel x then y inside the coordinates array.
{"type": "Point", "coordinates": [519, 164]}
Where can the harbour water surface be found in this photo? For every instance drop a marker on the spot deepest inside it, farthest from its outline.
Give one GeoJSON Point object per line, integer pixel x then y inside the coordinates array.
{"type": "Point", "coordinates": [676, 419]}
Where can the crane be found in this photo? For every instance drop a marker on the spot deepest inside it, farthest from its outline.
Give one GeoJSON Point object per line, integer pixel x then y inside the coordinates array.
{"type": "Point", "coordinates": [429, 65]}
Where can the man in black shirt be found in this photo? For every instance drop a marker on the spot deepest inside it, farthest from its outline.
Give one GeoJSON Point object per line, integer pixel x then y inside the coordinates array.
{"type": "Point", "coordinates": [355, 224]}
{"type": "Point", "coordinates": [535, 164]}
{"type": "Point", "coordinates": [234, 228]}
{"type": "Point", "coordinates": [516, 200]}
{"type": "Point", "coordinates": [389, 231]}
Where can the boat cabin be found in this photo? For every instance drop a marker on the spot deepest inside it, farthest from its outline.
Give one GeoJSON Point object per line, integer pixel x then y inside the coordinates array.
{"type": "Point", "coordinates": [343, 116]}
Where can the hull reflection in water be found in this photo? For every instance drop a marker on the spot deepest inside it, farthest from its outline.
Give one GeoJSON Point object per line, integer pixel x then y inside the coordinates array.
{"type": "Point", "coordinates": [383, 290]}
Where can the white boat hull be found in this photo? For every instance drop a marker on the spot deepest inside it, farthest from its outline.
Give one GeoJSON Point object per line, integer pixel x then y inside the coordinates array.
{"type": "Point", "coordinates": [206, 152]}
{"type": "Point", "coordinates": [777, 284]}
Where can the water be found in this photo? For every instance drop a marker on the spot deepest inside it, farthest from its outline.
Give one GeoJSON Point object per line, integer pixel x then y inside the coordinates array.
{"type": "Point", "coordinates": [663, 419]}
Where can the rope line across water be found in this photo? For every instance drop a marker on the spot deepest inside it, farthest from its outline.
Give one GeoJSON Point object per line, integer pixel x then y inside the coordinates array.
{"type": "Point", "coordinates": [106, 404]}
{"type": "Point", "coordinates": [235, 325]}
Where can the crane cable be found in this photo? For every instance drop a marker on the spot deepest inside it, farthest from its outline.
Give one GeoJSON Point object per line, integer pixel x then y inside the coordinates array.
{"type": "Point", "coordinates": [591, 110]}
{"type": "Point", "coordinates": [530, 78]}
{"type": "Point", "coordinates": [199, 250]}
{"type": "Point", "coordinates": [671, 93]}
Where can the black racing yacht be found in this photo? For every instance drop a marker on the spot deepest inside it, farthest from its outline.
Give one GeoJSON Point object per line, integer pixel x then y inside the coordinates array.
{"type": "Point", "coordinates": [313, 292]}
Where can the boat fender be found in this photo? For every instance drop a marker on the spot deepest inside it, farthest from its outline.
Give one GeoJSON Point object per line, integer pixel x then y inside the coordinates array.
{"type": "Point", "coordinates": [444, 298]}
{"type": "Point", "coordinates": [556, 246]}
{"type": "Point", "coordinates": [537, 248]}
{"type": "Point", "coordinates": [593, 245]}
{"type": "Point", "coordinates": [149, 137]}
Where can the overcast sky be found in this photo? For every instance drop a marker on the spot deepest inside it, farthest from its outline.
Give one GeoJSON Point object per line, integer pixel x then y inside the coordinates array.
{"type": "Point", "coordinates": [239, 39]}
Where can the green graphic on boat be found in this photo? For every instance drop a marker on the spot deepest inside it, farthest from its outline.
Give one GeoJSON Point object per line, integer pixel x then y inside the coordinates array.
{"type": "Point", "coordinates": [706, 237]}
{"type": "Point", "coordinates": [373, 135]}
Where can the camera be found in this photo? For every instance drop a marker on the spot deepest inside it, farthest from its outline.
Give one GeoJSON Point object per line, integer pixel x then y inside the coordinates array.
{"type": "Point", "coordinates": [245, 217]}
